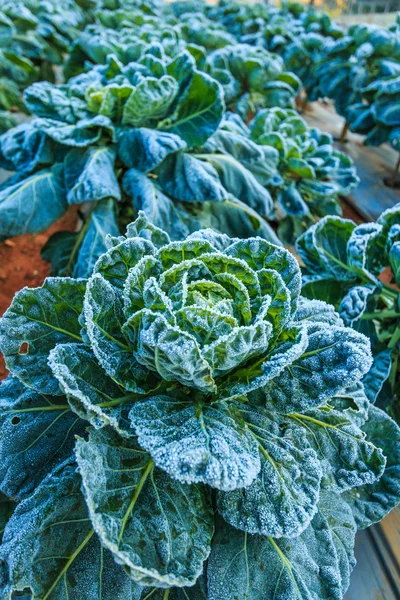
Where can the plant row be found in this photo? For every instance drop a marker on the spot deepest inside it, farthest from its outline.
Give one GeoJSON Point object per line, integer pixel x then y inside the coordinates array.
{"type": "Point", "coordinates": [359, 69]}
{"type": "Point", "coordinates": [187, 415]}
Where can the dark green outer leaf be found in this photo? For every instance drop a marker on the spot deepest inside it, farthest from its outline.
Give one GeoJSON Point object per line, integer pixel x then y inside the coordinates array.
{"type": "Point", "coordinates": [340, 520]}
{"type": "Point", "coordinates": [251, 567]}
{"type": "Point", "coordinates": [335, 358]}
{"type": "Point", "coordinates": [37, 432]}
{"type": "Point", "coordinates": [158, 529]}
{"type": "Point", "coordinates": [198, 112]}
{"type": "Point", "coordinates": [22, 209]}
{"type": "Point", "coordinates": [283, 498]}
{"type": "Point", "coordinates": [371, 503]}
{"type": "Point", "coordinates": [240, 182]}
{"type": "Point", "coordinates": [37, 320]}
{"type": "Point", "coordinates": [189, 593]}
{"type": "Point", "coordinates": [24, 148]}
{"type": "Point", "coordinates": [102, 222]}
{"type": "Point", "coordinates": [50, 545]}
{"type": "Point", "coordinates": [90, 176]}
{"type": "Point", "coordinates": [348, 458]}
{"type": "Point", "coordinates": [84, 133]}
{"type": "Point", "coordinates": [144, 149]}
{"type": "Point", "coordinates": [188, 179]}
{"type": "Point", "coordinates": [196, 444]}
{"type": "Point", "coordinates": [92, 394]}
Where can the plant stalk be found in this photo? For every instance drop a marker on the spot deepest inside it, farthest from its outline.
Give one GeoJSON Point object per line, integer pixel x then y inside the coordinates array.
{"type": "Point", "coordinates": [392, 182]}
{"type": "Point", "coordinates": [343, 135]}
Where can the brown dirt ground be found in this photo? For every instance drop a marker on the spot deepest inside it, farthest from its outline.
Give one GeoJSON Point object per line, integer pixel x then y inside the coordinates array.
{"type": "Point", "coordinates": [21, 264]}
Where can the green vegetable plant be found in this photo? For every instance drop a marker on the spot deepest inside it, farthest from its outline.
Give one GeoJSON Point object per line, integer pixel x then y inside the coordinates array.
{"type": "Point", "coordinates": [34, 36]}
{"type": "Point", "coordinates": [253, 78]}
{"type": "Point", "coordinates": [312, 174]}
{"type": "Point", "coordinates": [357, 269]}
{"type": "Point", "coordinates": [123, 138]}
{"type": "Point", "coordinates": [183, 424]}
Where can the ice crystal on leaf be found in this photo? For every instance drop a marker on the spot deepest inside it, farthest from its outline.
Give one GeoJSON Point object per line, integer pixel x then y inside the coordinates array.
{"type": "Point", "coordinates": [184, 419]}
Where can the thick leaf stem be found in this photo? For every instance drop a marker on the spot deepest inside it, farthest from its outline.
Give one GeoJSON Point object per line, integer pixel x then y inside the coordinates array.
{"type": "Point", "coordinates": [343, 135]}
{"type": "Point", "coordinates": [393, 179]}
{"type": "Point", "coordinates": [381, 314]}
{"type": "Point", "coordinates": [69, 563]}
{"type": "Point", "coordinates": [142, 481]}
{"type": "Point", "coordinates": [79, 239]}
{"type": "Point", "coordinates": [395, 338]}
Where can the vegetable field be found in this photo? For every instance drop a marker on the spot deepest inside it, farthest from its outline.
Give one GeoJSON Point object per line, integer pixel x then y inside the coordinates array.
{"type": "Point", "coordinates": [200, 338]}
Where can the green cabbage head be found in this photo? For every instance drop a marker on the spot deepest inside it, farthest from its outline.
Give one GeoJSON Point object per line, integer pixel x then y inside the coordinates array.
{"type": "Point", "coordinates": [183, 424]}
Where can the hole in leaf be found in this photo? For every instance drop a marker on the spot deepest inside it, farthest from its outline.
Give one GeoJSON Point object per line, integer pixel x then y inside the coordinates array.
{"type": "Point", "coordinates": [15, 420]}
{"type": "Point", "coordinates": [24, 348]}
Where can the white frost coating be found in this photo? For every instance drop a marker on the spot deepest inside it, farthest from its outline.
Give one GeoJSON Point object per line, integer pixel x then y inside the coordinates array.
{"type": "Point", "coordinates": [317, 311]}
{"type": "Point", "coordinates": [354, 303]}
{"type": "Point", "coordinates": [196, 444]}
{"type": "Point", "coordinates": [334, 359]}
{"type": "Point", "coordinates": [283, 498]}
{"type": "Point", "coordinates": [164, 536]}
{"type": "Point", "coordinates": [88, 387]}
{"type": "Point", "coordinates": [203, 352]}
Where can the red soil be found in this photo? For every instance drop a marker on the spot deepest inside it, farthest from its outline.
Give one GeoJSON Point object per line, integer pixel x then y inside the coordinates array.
{"type": "Point", "coordinates": [21, 264]}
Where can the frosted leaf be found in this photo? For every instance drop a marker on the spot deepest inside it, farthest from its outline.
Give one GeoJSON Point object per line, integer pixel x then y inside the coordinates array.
{"type": "Point", "coordinates": [145, 229]}
{"type": "Point", "coordinates": [348, 458]}
{"type": "Point", "coordinates": [271, 284]}
{"type": "Point", "coordinates": [283, 498]}
{"type": "Point", "coordinates": [291, 347]}
{"type": "Point", "coordinates": [317, 311]}
{"type": "Point", "coordinates": [222, 263]}
{"type": "Point", "coordinates": [330, 237]}
{"type": "Point", "coordinates": [37, 320]}
{"type": "Point", "coordinates": [335, 358]}
{"type": "Point", "coordinates": [339, 518]}
{"type": "Point", "coordinates": [371, 502]}
{"type": "Point", "coordinates": [37, 432]}
{"type": "Point", "coordinates": [186, 593]}
{"type": "Point", "coordinates": [199, 109]}
{"type": "Point", "coordinates": [50, 546]}
{"type": "Point", "coordinates": [260, 254]}
{"type": "Point", "coordinates": [151, 99]}
{"type": "Point", "coordinates": [104, 317]}
{"type": "Point", "coordinates": [238, 292]}
{"type": "Point", "coordinates": [90, 175]}
{"type": "Point", "coordinates": [174, 280]}
{"type": "Point", "coordinates": [353, 403]}
{"type": "Point", "coordinates": [355, 303]}
{"type": "Point", "coordinates": [239, 181]}
{"type": "Point", "coordinates": [177, 252]}
{"type": "Point", "coordinates": [196, 444]}
{"type": "Point", "coordinates": [144, 149]}
{"type": "Point", "coordinates": [206, 324]}
{"type": "Point", "coordinates": [237, 347]}
{"type": "Point", "coordinates": [306, 567]}
{"type": "Point", "coordinates": [188, 179]}
{"type": "Point", "coordinates": [220, 241]}
{"type": "Point", "coordinates": [114, 265]}
{"type": "Point", "coordinates": [157, 528]}
{"type": "Point", "coordinates": [378, 374]}
{"type": "Point", "coordinates": [362, 237]}
{"type": "Point", "coordinates": [147, 267]}
{"type": "Point", "coordinates": [167, 350]}
{"type": "Point", "coordinates": [92, 394]}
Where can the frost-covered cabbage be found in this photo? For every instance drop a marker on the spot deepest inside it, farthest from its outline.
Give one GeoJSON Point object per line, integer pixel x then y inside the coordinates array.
{"type": "Point", "coordinates": [121, 138]}
{"type": "Point", "coordinates": [183, 424]}
{"type": "Point", "coordinates": [357, 269]}
{"type": "Point", "coordinates": [312, 173]}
